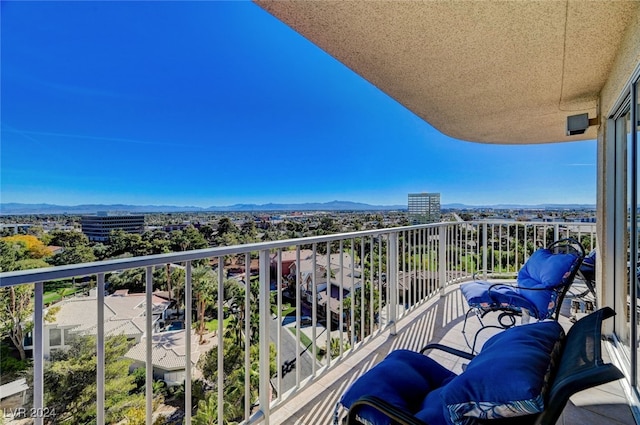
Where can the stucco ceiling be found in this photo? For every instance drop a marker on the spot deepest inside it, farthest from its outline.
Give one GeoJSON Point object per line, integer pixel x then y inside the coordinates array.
{"type": "Point", "coordinates": [486, 71]}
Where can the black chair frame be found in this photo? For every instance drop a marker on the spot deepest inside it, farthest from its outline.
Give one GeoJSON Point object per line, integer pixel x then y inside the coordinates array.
{"type": "Point", "coordinates": [580, 367]}
{"type": "Point", "coordinates": [565, 245]}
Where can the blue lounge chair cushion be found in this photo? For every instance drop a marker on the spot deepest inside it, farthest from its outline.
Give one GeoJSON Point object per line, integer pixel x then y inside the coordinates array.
{"type": "Point", "coordinates": [535, 290]}
{"type": "Point", "coordinates": [477, 294]}
{"type": "Point", "coordinates": [404, 379]}
{"type": "Point", "coordinates": [528, 353]}
{"type": "Point", "coordinates": [545, 270]}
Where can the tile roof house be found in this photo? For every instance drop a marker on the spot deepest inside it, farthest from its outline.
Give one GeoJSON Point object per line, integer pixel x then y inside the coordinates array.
{"type": "Point", "coordinates": [124, 313]}
{"type": "Point", "coordinates": [168, 353]}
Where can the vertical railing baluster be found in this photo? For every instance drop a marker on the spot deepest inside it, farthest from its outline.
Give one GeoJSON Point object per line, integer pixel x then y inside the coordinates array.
{"type": "Point", "coordinates": [188, 305]}
{"type": "Point", "coordinates": [278, 328]}
{"type": "Point", "coordinates": [455, 254]}
{"type": "Point", "coordinates": [340, 297]}
{"type": "Point", "coordinates": [452, 252]}
{"type": "Point", "coordinates": [500, 248]}
{"type": "Point", "coordinates": [485, 251]}
{"type": "Point", "coordinates": [220, 302]}
{"type": "Point", "coordinates": [405, 280]}
{"type": "Point", "coordinates": [314, 307]}
{"type": "Point", "coordinates": [433, 259]}
{"type": "Point", "coordinates": [100, 358]}
{"type": "Point", "coordinates": [466, 248]}
{"type": "Point", "coordinates": [247, 335]}
{"type": "Point", "coordinates": [362, 287]}
{"type": "Point", "coordinates": [478, 247]}
{"type": "Point", "coordinates": [515, 261]}
{"type": "Point", "coordinates": [149, 344]}
{"type": "Point", "coordinates": [352, 294]}
{"type": "Point", "coordinates": [423, 268]}
{"type": "Point", "coordinates": [371, 288]}
{"type": "Point", "coordinates": [449, 254]}
{"type": "Point", "coordinates": [414, 266]}
{"type": "Point", "coordinates": [508, 248]}
{"type": "Point", "coordinates": [328, 318]}
{"type": "Point", "coordinates": [265, 314]}
{"type": "Point", "coordinates": [38, 351]}
{"type": "Point", "coordinates": [298, 315]}
{"type": "Point", "coordinates": [419, 268]}
{"type": "Point", "coordinates": [442, 258]}
{"type": "Point", "coordinates": [380, 288]}
{"type": "Point", "coordinates": [392, 280]}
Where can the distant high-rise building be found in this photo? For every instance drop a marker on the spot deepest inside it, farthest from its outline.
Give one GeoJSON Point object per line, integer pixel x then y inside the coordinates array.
{"type": "Point", "coordinates": [97, 227]}
{"type": "Point", "coordinates": [424, 208]}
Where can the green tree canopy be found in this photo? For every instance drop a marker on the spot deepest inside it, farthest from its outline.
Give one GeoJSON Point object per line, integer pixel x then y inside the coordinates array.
{"type": "Point", "coordinates": [67, 238]}
{"type": "Point", "coordinates": [73, 255]}
{"type": "Point", "coordinates": [248, 231]}
{"type": "Point", "coordinates": [16, 307]}
{"type": "Point", "coordinates": [225, 225]}
{"type": "Point", "coordinates": [187, 239]}
{"type": "Point", "coordinates": [8, 255]}
{"type": "Point", "coordinates": [122, 243]}
{"type": "Point", "coordinates": [70, 381]}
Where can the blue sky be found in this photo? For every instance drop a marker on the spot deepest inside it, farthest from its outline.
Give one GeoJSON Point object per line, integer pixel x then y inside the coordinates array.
{"type": "Point", "coordinates": [217, 103]}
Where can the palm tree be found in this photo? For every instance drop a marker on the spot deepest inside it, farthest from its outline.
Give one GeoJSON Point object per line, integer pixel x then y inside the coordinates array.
{"type": "Point", "coordinates": [207, 411]}
{"type": "Point", "coordinates": [361, 311]}
{"type": "Point", "coordinates": [168, 271]}
{"type": "Point", "coordinates": [177, 285]}
{"type": "Point", "coordinates": [334, 347]}
{"type": "Point", "coordinates": [204, 283]}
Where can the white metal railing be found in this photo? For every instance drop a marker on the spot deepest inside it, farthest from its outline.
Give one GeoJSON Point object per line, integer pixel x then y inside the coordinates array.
{"type": "Point", "coordinates": [358, 285]}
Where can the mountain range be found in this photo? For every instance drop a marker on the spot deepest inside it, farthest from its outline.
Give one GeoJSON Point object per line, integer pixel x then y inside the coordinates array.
{"type": "Point", "coordinates": [19, 208]}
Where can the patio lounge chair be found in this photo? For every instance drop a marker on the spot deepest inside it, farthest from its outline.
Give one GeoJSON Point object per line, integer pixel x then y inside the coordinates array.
{"type": "Point", "coordinates": [523, 375]}
{"type": "Point", "coordinates": [540, 289]}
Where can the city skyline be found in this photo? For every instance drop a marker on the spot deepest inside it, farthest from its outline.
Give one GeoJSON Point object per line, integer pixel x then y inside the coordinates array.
{"type": "Point", "coordinates": [219, 103]}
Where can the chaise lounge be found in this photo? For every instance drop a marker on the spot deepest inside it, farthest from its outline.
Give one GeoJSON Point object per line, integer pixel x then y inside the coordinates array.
{"type": "Point", "coordinates": [541, 286]}
{"type": "Point", "coordinates": [523, 375]}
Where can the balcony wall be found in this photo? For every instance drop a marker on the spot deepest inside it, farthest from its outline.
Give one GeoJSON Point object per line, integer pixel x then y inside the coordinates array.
{"type": "Point", "coordinates": [400, 270]}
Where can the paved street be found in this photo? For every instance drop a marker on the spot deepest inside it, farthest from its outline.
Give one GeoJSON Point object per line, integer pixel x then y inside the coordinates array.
{"type": "Point", "coordinates": [289, 347]}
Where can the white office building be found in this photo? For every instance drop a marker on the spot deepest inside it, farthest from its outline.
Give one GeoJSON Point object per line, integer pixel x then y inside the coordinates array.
{"type": "Point", "coordinates": [98, 227]}
{"type": "Point", "coordinates": [424, 208]}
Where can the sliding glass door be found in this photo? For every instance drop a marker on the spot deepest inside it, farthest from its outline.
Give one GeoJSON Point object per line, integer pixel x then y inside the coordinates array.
{"type": "Point", "coordinates": [634, 206]}
{"type": "Point", "coordinates": [627, 240]}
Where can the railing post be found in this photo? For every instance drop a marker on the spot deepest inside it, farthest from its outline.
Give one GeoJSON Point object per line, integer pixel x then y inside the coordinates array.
{"type": "Point", "coordinates": [392, 281]}
{"type": "Point", "coordinates": [265, 320]}
{"type": "Point", "coordinates": [442, 257]}
{"type": "Point", "coordinates": [485, 251]}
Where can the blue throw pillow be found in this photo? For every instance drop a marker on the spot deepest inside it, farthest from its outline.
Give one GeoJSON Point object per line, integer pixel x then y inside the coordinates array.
{"type": "Point", "coordinates": [403, 379]}
{"type": "Point", "coordinates": [544, 270]}
{"type": "Point", "coordinates": [508, 378]}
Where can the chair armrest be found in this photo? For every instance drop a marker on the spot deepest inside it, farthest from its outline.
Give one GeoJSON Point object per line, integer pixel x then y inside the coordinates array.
{"type": "Point", "coordinates": [450, 350]}
{"type": "Point", "coordinates": [520, 288]}
{"type": "Point", "coordinates": [393, 413]}
{"type": "Point", "coordinates": [476, 274]}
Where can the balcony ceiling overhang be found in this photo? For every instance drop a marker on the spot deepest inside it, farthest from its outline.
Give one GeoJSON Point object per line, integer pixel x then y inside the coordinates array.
{"type": "Point", "coordinates": [484, 71]}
